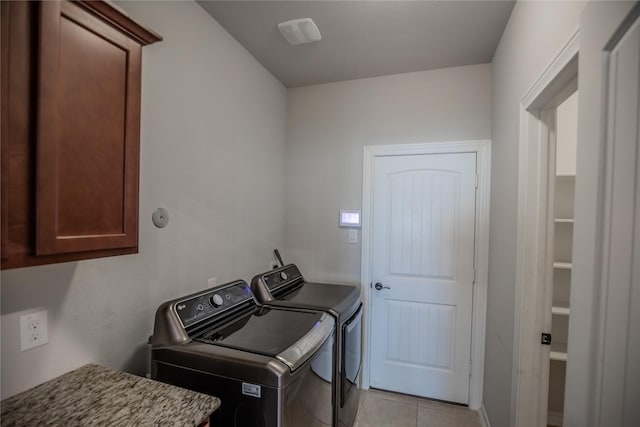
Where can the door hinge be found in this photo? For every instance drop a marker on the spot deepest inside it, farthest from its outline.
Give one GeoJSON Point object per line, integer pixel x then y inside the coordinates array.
{"type": "Point", "coordinates": [545, 339]}
{"type": "Point", "coordinates": [469, 367]}
{"type": "Point", "coordinates": [474, 275]}
{"type": "Point", "coordinates": [477, 179]}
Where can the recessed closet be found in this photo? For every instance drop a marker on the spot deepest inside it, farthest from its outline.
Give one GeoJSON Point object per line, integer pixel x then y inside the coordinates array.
{"type": "Point", "coordinates": [562, 191]}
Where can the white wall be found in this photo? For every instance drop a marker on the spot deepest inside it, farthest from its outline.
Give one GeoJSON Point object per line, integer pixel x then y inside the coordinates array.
{"type": "Point", "coordinates": [567, 136]}
{"type": "Point", "coordinates": [329, 124]}
{"type": "Point", "coordinates": [536, 31]}
{"type": "Point", "coordinates": [212, 147]}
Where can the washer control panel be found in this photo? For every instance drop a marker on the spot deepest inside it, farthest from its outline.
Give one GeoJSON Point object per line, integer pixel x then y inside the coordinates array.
{"type": "Point", "coordinates": [212, 302]}
{"type": "Point", "coordinates": [277, 278]}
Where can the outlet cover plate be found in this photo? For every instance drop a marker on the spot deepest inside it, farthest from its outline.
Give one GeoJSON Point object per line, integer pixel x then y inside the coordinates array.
{"type": "Point", "coordinates": [33, 330]}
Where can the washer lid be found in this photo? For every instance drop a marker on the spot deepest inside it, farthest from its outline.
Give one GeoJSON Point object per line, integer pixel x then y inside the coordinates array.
{"type": "Point", "coordinates": [291, 336]}
{"type": "Point", "coordinates": [323, 295]}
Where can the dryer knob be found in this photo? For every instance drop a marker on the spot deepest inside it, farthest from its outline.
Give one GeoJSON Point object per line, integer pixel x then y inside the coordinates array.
{"type": "Point", "coordinates": [283, 275]}
{"type": "Point", "coordinates": [216, 300]}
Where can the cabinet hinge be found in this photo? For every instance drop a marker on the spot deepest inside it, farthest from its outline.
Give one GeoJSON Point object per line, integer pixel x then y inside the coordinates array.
{"type": "Point", "coordinates": [474, 275]}
{"type": "Point", "coordinates": [469, 367]}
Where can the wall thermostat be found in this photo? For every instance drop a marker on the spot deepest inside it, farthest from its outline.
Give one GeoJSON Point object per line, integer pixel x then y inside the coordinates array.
{"type": "Point", "coordinates": [350, 219]}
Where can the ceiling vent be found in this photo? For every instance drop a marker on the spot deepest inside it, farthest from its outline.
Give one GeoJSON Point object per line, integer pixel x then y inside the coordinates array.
{"type": "Point", "coordinates": [299, 31]}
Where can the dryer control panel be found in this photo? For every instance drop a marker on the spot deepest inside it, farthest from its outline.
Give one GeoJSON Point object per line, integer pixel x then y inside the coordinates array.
{"type": "Point", "coordinates": [281, 276]}
{"type": "Point", "coordinates": [212, 302]}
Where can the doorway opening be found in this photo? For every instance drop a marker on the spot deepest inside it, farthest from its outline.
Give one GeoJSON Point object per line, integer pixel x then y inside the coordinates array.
{"type": "Point", "coordinates": [547, 159]}
{"type": "Point", "coordinates": [558, 285]}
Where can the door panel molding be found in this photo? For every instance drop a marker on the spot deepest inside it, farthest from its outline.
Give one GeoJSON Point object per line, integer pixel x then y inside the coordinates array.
{"type": "Point", "coordinates": [482, 149]}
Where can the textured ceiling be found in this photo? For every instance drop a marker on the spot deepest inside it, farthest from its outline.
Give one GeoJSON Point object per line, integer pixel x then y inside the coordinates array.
{"type": "Point", "coordinates": [365, 38]}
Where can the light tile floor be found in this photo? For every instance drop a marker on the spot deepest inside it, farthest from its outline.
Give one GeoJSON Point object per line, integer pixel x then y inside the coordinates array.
{"type": "Point", "coordinates": [384, 409]}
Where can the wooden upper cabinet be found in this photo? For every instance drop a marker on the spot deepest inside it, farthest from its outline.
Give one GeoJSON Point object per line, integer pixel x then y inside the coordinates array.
{"type": "Point", "coordinates": [89, 116]}
{"type": "Point", "coordinates": [74, 145]}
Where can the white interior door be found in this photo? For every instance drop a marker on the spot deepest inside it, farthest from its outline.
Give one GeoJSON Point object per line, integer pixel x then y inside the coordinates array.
{"type": "Point", "coordinates": [423, 252]}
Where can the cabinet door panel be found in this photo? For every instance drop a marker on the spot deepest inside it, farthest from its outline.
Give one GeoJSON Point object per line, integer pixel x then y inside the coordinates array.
{"type": "Point", "coordinates": [88, 125]}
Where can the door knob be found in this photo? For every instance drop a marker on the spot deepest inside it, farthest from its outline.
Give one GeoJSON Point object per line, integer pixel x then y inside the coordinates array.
{"type": "Point", "coordinates": [379, 286]}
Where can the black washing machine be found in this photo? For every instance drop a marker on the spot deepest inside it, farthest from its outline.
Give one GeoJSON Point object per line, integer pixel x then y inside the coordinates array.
{"type": "Point", "coordinates": [257, 360]}
{"type": "Point", "coordinates": [285, 287]}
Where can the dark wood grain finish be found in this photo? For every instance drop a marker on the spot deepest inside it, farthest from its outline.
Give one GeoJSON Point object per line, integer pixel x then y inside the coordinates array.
{"type": "Point", "coordinates": [126, 25]}
{"type": "Point", "coordinates": [87, 134]}
{"type": "Point", "coordinates": [4, 116]}
{"type": "Point", "coordinates": [70, 132]}
{"type": "Point", "coordinates": [18, 130]}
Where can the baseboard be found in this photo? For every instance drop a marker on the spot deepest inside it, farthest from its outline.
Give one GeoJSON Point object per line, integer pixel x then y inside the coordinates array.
{"type": "Point", "coordinates": [554, 419]}
{"type": "Point", "coordinates": [484, 419]}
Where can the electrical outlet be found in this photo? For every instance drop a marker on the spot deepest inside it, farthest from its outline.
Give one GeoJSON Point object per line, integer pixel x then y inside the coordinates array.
{"type": "Point", "coordinates": [212, 282]}
{"type": "Point", "coordinates": [33, 330]}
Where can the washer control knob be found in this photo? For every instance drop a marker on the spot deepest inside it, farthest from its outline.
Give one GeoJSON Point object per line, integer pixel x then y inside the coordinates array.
{"type": "Point", "coordinates": [283, 275]}
{"type": "Point", "coordinates": [216, 300]}
{"type": "Point", "coordinates": [200, 307]}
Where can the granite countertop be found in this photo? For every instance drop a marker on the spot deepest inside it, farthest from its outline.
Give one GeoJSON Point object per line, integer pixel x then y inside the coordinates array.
{"type": "Point", "coordinates": [95, 395]}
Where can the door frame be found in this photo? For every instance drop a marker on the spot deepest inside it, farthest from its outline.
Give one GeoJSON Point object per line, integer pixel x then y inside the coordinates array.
{"type": "Point", "coordinates": [482, 148]}
{"type": "Point", "coordinates": [536, 152]}
{"type": "Point", "coordinates": [618, 309]}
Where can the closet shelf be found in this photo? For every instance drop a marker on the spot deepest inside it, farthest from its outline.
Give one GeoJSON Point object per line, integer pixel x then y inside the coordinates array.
{"type": "Point", "coordinates": [564, 220]}
{"type": "Point", "coordinates": [558, 352]}
{"type": "Point", "coordinates": [560, 310]}
{"type": "Point", "coordinates": [563, 265]}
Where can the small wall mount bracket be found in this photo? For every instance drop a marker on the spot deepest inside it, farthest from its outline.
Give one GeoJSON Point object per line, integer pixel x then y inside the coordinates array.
{"type": "Point", "coordinates": [160, 217]}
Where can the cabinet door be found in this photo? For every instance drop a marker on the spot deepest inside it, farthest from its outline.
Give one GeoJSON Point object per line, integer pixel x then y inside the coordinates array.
{"type": "Point", "coordinates": [87, 133]}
